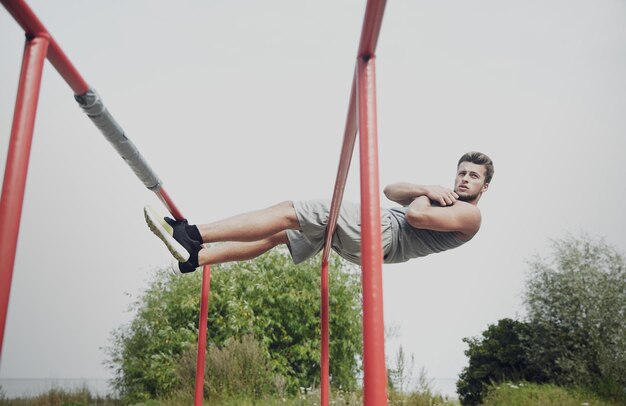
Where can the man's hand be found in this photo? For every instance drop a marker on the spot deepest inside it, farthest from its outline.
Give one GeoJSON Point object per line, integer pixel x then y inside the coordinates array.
{"type": "Point", "coordinates": [441, 195]}
{"type": "Point", "coordinates": [404, 193]}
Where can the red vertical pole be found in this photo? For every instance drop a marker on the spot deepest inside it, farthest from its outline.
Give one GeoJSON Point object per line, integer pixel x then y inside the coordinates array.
{"type": "Point", "coordinates": [16, 169]}
{"type": "Point", "coordinates": [202, 328]}
{"type": "Point", "coordinates": [374, 368]}
{"type": "Point", "coordinates": [324, 361]}
{"type": "Point", "coordinates": [204, 306]}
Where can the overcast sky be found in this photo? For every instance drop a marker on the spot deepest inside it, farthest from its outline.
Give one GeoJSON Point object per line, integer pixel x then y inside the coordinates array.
{"type": "Point", "coordinates": [241, 104]}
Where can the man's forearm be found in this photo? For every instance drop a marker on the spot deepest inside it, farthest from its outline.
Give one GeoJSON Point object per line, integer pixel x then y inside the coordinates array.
{"type": "Point", "coordinates": [403, 192]}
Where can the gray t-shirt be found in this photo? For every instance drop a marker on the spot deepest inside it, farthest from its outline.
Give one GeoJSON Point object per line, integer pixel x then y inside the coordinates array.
{"type": "Point", "coordinates": [400, 241]}
{"type": "Point", "coordinates": [409, 242]}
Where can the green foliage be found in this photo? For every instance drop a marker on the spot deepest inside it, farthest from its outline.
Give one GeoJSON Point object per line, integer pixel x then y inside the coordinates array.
{"type": "Point", "coordinates": [144, 354]}
{"type": "Point", "coordinates": [280, 305]}
{"type": "Point", "coordinates": [500, 354]}
{"type": "Point", "coordinates": [525, 394]}
{"type": "Point", "coordinates": [240, 366]}
{"type": "Point", "coordinates": [576, 301]}
{"type": "Point", "coordinates": [269, 299]}
{"type": "Point", "coordinates": [576, 328]}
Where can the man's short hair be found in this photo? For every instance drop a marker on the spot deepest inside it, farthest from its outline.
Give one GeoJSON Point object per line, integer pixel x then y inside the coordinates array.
{"type": "Point", "coordinates": [479, 158]}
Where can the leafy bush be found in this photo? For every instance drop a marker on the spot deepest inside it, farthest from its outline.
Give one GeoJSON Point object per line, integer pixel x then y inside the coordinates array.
{"type": "Point", "coordinates": [241, 366]}
{"type": "Point", "coordinates": [500, 354]}
{"type": "Point", "coordinates": [576, 328]}
{"type": "Point", "coordinates": [268, 298]}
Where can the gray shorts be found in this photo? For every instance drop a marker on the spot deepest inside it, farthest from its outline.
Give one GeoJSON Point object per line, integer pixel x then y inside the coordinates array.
{"type": "Point", "coordinates": [313, 218]}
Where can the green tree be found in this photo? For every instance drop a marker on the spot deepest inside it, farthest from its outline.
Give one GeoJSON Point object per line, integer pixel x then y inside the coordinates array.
{"type": "Point", "coordinates": [268, 298]}
{"type": "Point", "coordinates": [575, 332]}
{"type": "Point", "coordinates": [576, 301]}
{"type": "Point", "coordinates": [501, 354]}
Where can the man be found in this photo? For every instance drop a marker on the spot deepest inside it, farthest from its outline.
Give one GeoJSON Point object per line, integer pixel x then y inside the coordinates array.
{"type": "Point", "coordinates": [431, 219]}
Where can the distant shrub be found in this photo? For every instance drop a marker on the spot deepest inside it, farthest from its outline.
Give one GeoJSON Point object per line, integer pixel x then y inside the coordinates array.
{"type": "Point", "coordinates": [500, 354]}
{"type": "Point", "coordinates": [240, 366]}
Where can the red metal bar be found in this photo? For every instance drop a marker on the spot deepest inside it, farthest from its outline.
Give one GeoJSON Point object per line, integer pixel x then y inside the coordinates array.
{"type": "Point", "coordinates": [369, 38]}
{"type": "Point", "coordinates": [16, 169]}
{"type": "Point", "coordinates": [347, 149]}
{"type": "Point", "coordinates": [371, 28]}
{"type": "Point", "coordinates": [202, 330]}
{"type": "Point", "coordinates": [374, 369]}
{"type": "Point", "coordinates": [19, 150]}
{"type": "Point", "coordinates": [349, 139]}
{"type": "Point", "coordinates": [204, 305]}
{"type": "Point", "coordinates": [33, 27]}
{"type": "Point", "coordinates": [324, 358]}
{"type": "Point", "coordinates": [169, 203]}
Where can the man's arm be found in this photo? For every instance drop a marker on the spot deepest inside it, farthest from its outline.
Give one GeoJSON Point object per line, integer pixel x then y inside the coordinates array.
{"type": "Point", "coordinates": [462, 218]}
{"type": "Point", "coordinates": [404, 193]}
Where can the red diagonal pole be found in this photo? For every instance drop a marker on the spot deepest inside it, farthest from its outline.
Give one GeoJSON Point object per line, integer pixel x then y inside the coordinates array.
{"type": "Point", "coordinates": [41, 46]}
{"type": "Point", "coordinates": [16, 169]}
{"type": "Point", "coordinates": [367, 46]}
{"type": "Point", "coordinates": [28, 20]}
{"type": "Point", "coordinates": [374, 368]}
{"type": "Point", "coordinates": [347, 149]}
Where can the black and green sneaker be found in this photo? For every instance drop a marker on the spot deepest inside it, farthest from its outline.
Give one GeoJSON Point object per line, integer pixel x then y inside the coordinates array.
{"type": "Point", "coordinates": [179, 268]}
{"type": "Point", "coordinates": [174, 235]}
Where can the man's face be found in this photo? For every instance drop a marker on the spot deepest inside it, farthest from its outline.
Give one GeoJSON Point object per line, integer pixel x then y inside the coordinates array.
{"type": "Point", "coordinates": [470, 183]}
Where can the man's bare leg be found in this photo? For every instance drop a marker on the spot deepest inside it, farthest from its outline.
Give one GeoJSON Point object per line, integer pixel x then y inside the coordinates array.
{"type": "Point", "coordinates": [252, 226]}
{"type": "Point", "coordinates": [240, 251]}
{"type": "Point", "coordinates": [245, 236]}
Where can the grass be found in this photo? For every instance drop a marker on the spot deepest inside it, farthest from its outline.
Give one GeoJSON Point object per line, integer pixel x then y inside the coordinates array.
{"type": "Point", "coordinates": [508, 394]}
{"type": "Point", "coordinates": [59, 397]}
{"type": "Point", "coordinates": [312, 398]}
{"type": "Point", "coordinates": [498, 395]}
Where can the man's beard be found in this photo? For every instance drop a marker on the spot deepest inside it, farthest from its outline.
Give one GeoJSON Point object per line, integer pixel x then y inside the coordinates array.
{"type": "Point", "coordinates": [467, 198]}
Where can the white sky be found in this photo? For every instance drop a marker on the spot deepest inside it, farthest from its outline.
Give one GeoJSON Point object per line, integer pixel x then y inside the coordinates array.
{"type": "Point", "coordinates": [241, 104]}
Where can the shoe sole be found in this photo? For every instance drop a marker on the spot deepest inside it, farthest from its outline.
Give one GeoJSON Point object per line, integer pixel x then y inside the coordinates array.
{"type": "Point", "coordinates": [175, 270]}
{"type": "Point", "coordinates": [162, 230]}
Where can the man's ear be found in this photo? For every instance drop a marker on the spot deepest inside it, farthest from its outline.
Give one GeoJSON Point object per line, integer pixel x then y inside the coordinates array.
{"type": "Point", "coordinates": [485, 187]}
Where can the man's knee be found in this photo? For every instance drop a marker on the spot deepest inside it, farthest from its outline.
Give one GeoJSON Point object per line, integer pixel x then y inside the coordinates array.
{"type": "Point", "coordinates": [286, 205]}
{"type": "Point", "coordinates": [288, 213]}
{"type": "Point", "coordinates": [279, 238]}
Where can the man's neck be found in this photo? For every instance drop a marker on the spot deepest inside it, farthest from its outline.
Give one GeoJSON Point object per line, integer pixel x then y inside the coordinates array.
{"type": "Point", "coordinates": [475, 201]}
